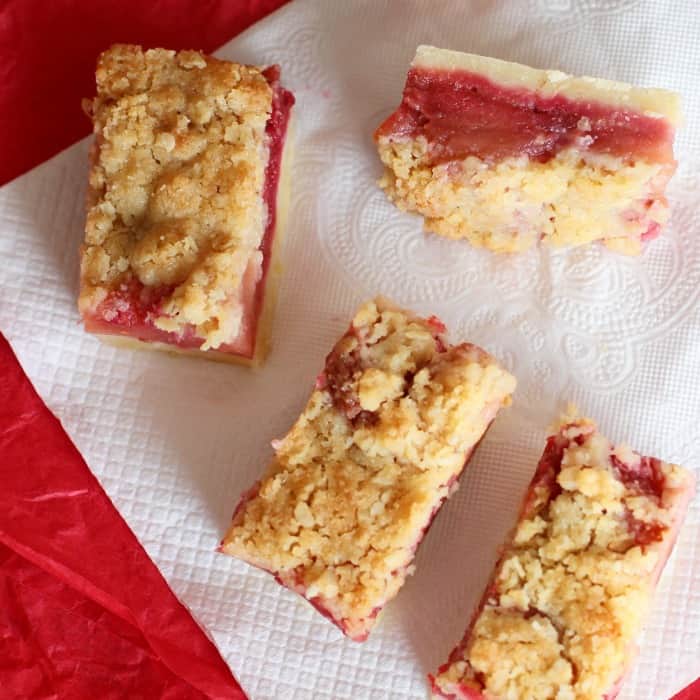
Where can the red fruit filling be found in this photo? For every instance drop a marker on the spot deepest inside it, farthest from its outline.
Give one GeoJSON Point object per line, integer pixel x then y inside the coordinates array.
{"type": "Point", "coordinates": [646, 477]}
{"type": "Point", "coordinates": [343, 368]}
{"type": "Point", "coordinates": [464, 114]}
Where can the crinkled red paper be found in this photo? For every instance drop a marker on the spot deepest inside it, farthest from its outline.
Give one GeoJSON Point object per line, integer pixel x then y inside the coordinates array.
{"type": "Point", "coordinates": [48, 51]}
{"type": "Point", "coordinates": [692, 692]}
{"type": "Point", "coordinates": [84, 612]}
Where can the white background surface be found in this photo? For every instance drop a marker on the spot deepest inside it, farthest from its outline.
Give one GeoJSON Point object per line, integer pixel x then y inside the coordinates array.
{"type": "Point", "coordinates": [175, 441]}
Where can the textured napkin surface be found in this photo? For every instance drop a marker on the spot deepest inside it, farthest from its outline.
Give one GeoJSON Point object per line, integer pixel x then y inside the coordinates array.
{"type": "Point", "coordinates": [176, 441]}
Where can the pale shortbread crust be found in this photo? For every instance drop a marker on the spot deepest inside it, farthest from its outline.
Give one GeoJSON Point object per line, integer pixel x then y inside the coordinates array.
{"type": "Point", "coordinates": [351, 489]}
{"type": "Point", "coordinates": [514, 204]}
{"type": "Point", "coordinates": [572, 587]}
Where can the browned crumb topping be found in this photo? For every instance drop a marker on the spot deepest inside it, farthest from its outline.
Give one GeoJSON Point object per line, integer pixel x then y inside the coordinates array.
{"type": "Point", "coordinates": [175, 192]}
{"type": "Point", "coordinates": [574, 585]}
{"type": "Point", "coordinates": [357, 479]}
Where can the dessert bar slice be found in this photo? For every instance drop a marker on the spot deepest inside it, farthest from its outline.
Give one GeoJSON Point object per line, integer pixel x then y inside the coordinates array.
{"type": "Point", "coordinates": [354, 485]}
{"type": "Point", "coordinates": [183, 202]}
{"type": "Point", "coordinates": [574, 583]}
{"type": "Point", "coordinates": [505, 155]}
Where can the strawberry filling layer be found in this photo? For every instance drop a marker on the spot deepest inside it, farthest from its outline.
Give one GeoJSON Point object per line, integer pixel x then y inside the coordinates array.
{"type": "Point", "coordinates": [463, 114]}
{"type": "Point", "coordinates": [131, 309]}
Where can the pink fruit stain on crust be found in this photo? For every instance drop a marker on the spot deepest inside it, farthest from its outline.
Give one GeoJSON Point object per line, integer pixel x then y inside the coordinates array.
{"type": "Point", "coordinates": [339, 374]}
{"type": "Point", "coordinates": [464, 114]}
{"type": "Point", "coordinates": [545, 477]}
{"type": "Point", "coordinates": [342, 623]}
{"type": "Point", "coordinates": [343, 368]}
{"type": "Point", "coordinates": [321, 382]}
{"type": "Point", "coordinates": [652, 232]}
{"type": "Point", "coordinates": [437, 326]}
{"type": "Point", "coordinates": [130, 309]}
{"type": "Point", "coordinates": [465, 692]}
{"type": "Point", "coordinates": [293, 580]}
{"type": "Point", "coordinates": [644, 533]}
{"type": "Point", "coordinates": [646, 477]}
{"type": "Point", "coordinates": [132, 304]}
{"type": "Point", "coordinates": [276, 130]}
{"type": "Point", "coordinates": [439, 329]}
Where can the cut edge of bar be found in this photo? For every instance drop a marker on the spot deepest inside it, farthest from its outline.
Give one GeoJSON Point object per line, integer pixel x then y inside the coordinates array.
{"type": "Point", "coordinates": [651, 102]}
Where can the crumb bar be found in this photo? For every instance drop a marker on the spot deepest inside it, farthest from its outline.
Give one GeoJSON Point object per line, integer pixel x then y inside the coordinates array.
{"type": "Point", "coordinates": [182, 201]}
{"type": "Point", "coordinates": [505, 155]}
{"type": "Point", "coordinates": [574, 583]}
{"type": "Point", "coordinates": [354, 485]}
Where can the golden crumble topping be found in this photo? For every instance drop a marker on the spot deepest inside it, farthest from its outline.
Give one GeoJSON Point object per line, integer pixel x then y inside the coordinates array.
{"type": "Point", "coordinates": [175, 192]}
{"type": "Point", "coordinates": [354, 484]}
{"type": "Point", "coordinates": [574, 584]}
{"type": "Point", "coordinates": [571, 199]}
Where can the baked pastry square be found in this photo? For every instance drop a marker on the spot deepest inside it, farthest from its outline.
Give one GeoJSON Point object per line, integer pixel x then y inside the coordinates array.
{"type": "Point", "coordinates": [182, 205]}
{"type": "Point", "coordinates": [354, 485]}
{"type": "Point", "coordinates": [505, 155]}
{"type": "Point", "coordinates": [574, 583]}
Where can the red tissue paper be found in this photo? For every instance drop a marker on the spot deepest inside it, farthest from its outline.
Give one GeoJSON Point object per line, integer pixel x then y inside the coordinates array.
{"type": "Point", "coordinates": [48, 51]}
{"type": "Point", "coordinates": [84, 612]}
{"type": "Point", "coordinates": [692, 692]}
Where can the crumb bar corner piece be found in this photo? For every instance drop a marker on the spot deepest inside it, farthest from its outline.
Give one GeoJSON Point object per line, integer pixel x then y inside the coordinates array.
{"type": "Point", "coordinates": [354, 485]}
{"type": "Point", "coordinates": [182, 212]}
{"type": "Point", "coordinates": [507, 156]}
{"type": "Point", "coordinates": [574, 583]}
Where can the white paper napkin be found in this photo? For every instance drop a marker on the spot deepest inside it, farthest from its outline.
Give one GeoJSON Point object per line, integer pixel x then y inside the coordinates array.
{"type": "Point", "coordinates": [175, 441]}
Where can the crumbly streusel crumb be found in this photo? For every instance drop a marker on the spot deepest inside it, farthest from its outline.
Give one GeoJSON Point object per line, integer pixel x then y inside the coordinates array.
{"type": "Point", "coordinates": [509, 206]}
{"type": "Point", "coordinates": [574, 584]}
{"type": "Point", "coordinates": [175, 193]}
{"type": "Point", "coordinates": [359, 476]}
